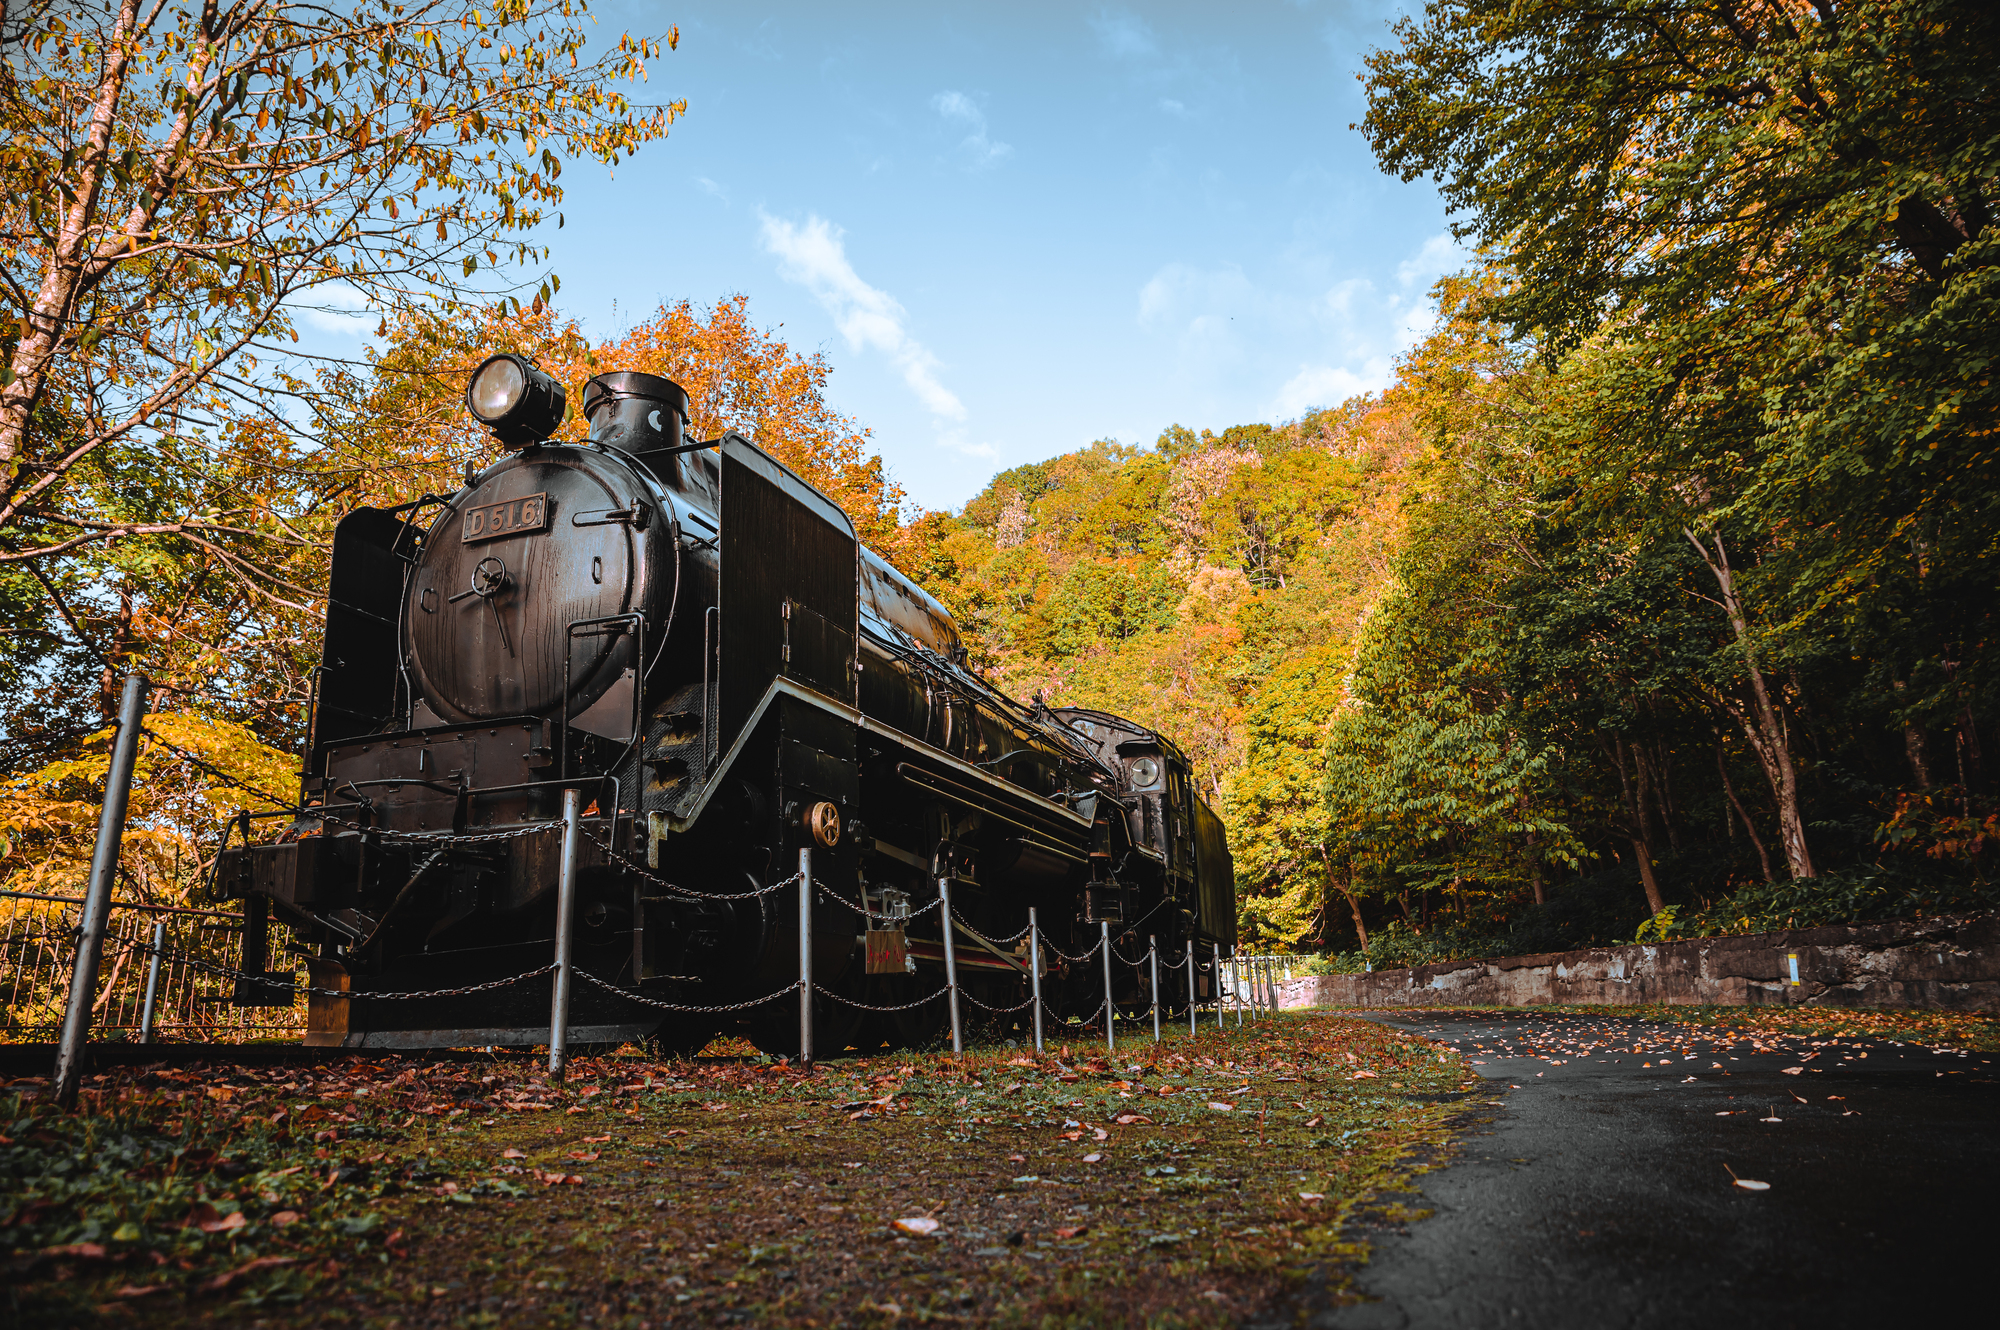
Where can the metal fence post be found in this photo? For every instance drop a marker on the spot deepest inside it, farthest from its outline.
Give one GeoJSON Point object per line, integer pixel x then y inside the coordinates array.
{"type": "Point", "coordinates": [97, 899]}
{"type": "Point", "coordinates": [1271, 985]}
{"type": "Point", "coordinates": [1153, 958]}
{"type": "Point", "coordinates": [152, 981]}
{"type": "Point", "coordinates": [1110, 1039]}
{"type": "Point", "coordinates": [1236, 985]}
{"type": "Point", "coordinates": [950, 964]}
{"type": "Point", "coordinates": [1192, 1028]}
{"type": "Point", "coordinates": [806, 957]}
{"type": "Point", "coordinates": [1035, 971]}
{"type": "Point", "coordinates": [572, 848]}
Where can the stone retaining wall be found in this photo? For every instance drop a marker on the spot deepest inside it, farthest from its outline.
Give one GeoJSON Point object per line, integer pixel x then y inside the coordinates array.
{"type": "Point", "coordinates": [1949, 963]}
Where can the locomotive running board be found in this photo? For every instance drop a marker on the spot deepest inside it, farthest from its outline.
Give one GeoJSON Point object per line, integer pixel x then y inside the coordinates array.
{"type": "Point", "coordinates": [786, 687]}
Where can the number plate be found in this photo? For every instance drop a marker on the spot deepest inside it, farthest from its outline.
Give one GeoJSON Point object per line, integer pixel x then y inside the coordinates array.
{"type": "Point", "coordinates": [508, 517]}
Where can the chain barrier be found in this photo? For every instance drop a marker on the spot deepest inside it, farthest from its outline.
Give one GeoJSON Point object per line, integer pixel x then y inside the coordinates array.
{"type": "Point", "coordinates": [863, 1006]}
{"type": "Point", "coordinates": [618, 860]}
{"type": "Point", "coordinates": [438, 838]}
{"type": "Point", "coordinates": [1095, 1012]}
{"type": "Point", "coordinates": [870, 915]}
{"type": "Point", "coordinates": [630, 996]}
{"type": "Point", "coordinates": [1076, 960]}
{"type": "Point", "coordinates": [194, 962]}
{"type": "Point", "coordinates": [998, 1011]}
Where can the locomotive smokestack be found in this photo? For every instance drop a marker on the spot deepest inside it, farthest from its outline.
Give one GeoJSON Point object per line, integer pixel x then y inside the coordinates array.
{"type": "Point", "coordinates": [635, 412]}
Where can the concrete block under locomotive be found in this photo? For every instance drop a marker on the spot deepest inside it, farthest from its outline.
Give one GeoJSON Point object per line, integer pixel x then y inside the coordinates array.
{"type": "Point", "coordinates": [693, 636]}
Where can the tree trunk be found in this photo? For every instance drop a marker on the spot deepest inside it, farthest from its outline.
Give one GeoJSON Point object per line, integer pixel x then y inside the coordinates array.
{"type": "Point", "coordinates": [1913, 745]}
{"type": "Point", "coordinates": [1360, 929]}
{"type": "Point", "coordinates": [32, 359]}
{"type": "Point", "coordinates": [1535, 870]}
{"type": "Point", "coordinates": [1635, 810]}
{"type": "Point", "coordinates": [1761, 725]}
{"type": "Point", "coordinates": [1749, 827]}
{"type": "Point", "coordinates": [1652, 796]}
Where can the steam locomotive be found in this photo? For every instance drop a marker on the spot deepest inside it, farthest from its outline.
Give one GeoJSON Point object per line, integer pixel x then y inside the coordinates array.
{"type": "Point", "coordinates": [694, 637]}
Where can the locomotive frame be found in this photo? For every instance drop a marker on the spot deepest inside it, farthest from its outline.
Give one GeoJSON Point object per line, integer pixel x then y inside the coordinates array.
{"type": "Point", "coordinates": [695, 636]}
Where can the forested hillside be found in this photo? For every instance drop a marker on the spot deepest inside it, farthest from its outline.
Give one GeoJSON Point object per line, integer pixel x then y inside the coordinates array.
{"type": "Point", "coordinates": [1656, 595]}
{"type": "Point", "coordinates": [1451, 700]}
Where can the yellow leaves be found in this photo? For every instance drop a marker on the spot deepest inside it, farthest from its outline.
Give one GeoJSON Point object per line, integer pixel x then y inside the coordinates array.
{"type": "Point", "coordinates": [191, 772]}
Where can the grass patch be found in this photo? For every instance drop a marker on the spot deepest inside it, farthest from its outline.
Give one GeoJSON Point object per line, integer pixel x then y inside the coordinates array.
{"type": "Point", "coordinates": [1185, 1184]}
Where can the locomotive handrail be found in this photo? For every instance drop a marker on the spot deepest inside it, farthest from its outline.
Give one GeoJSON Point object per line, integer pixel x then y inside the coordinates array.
{"type": "Point", "coordinates": [567, 721]}
{"type": "Point", "coordinates": [939, 785]}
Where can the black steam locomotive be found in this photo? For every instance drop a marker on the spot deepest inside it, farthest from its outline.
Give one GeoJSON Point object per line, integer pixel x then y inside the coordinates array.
{"type": "Point", "coordinates": [694, 637]}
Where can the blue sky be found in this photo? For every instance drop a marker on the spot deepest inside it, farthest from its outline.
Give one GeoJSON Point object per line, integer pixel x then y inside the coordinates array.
{"type": "Point", "coordinates": [1014, 229]}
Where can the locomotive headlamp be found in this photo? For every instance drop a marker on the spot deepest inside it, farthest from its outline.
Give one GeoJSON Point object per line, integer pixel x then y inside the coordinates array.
{"type": "Point", "coordinates": [1145, 773]}
{"type": "Point", "coordinates": [515, 400]}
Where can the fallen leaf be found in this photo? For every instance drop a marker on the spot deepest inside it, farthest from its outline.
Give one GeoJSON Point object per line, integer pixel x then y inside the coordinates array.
{"type": "Point", "coordinates": [585, 1156]}
{"type": "Point", "coordinates": [1221, 1107]}
{"type": "Point", "coordinates": [1127, 1119]}
{"type": "Point", "coordinates": [1076, 1232]}
{"type": "Point", "coordinates": [511, 1153]}
{"type": "Point", "coordinates": [1310, 1196]}
{"type": "Point", "coordinates": [1092, 1158]}
{"type": "Point", "coordinates": [229, 1223]}
{"type": "Point", "coordinates": [1751, 1184]}
{"type": "Point", "coordinates": [917, 1226]}
{"type": "Point", "coordinates": [91, 1251]}
{"type": "Point", "coordinates": [1791, 1071]}
{"type": "Point", "coordinates": [138, 1290]}
{"type": "Point", "coordinates": [286, 1217]}
{"type": "Point", "coordinates": [1362, 1075]}
{"type": "Point", "coordinates": [595, 1140]}
{"type": "Point", "coordinates": [228, 1277]}
{"type": "Point", "coordinates": [1313, 1122]}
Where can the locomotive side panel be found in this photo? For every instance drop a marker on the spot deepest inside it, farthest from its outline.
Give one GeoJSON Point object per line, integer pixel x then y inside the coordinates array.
{"type": "Point", "coordinates": [358, 686]}
{"type": "Point", "coordinates": [786, 552]}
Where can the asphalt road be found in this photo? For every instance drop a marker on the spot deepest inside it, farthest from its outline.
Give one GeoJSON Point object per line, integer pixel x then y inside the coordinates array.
{"type": "Point", "coordinates": [1600, 1194]}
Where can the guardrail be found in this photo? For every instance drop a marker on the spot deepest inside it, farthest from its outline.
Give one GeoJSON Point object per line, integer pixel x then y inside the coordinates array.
{"type": "Point", "coordinates": [183, 959]}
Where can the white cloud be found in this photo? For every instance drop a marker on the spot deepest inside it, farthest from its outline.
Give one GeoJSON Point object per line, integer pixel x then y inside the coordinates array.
{"type": "Point", "coordinates": [814, 256]}
{"type": "Point", "coordinates": [710, 188]}
{"type": "Point", "coordinates": [1439, 255]}
{"type": "Point", "coordinates": [1123, 33]}
{"type": "Point", "coordinates": [1327, 385]}
{"type": "Point", "coordinates": [1181, 295]}
{"type": "Point", "coordinates": [978, 150]}
{"type": "Point", "coordinates": [955, 440]}
{"type": "Point", "coordinates": [1174, 108]}
{"type": "Point", "coordinates": [1341, 337]}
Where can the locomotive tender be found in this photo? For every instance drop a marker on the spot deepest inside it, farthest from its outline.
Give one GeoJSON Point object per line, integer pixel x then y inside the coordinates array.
{"type": "Point", "coordinates": [694, 637]}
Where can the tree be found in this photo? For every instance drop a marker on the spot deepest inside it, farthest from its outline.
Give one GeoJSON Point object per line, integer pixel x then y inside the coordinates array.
{"type": "Point", "coordinates": [175, 184]}
{"type": "Point", "coordinates": [739, 376]}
